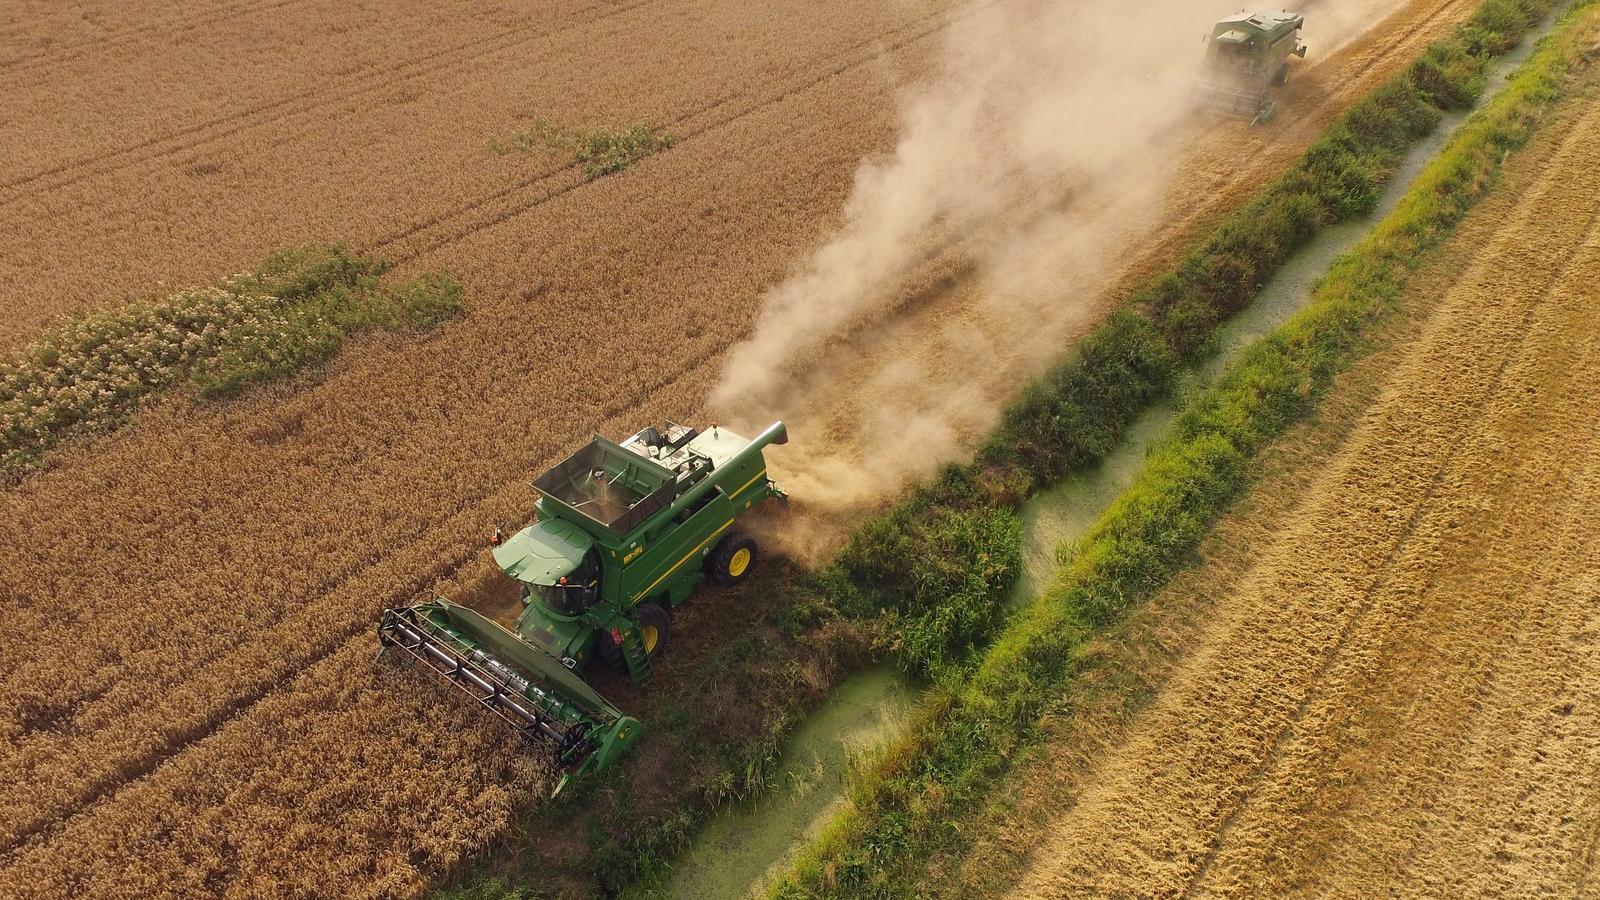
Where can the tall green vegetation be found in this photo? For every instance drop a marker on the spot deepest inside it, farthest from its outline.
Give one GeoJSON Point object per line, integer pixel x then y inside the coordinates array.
{"type": "Point", "coordinates": [88, 374]}
{"type": "Point", "coordinates": [914, 802]}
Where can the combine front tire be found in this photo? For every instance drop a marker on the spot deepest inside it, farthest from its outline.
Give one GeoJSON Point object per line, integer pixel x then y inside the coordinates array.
{"type": "Point", "coordinates": [731, 561]}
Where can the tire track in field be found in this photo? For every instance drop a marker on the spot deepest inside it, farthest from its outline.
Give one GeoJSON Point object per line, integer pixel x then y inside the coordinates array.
{"type": "Point", "coordinates": [923, 32]}
{"type": "Point", "coordinates": [355, 629]}
{"type": "Point", "coordinates": [914, 330]}
{"type": "Point", "coordinates": [569, 177]}
{"type": "Point", "coordinates": [119, 772]}
{"type": "Point", "coordinates": [286, 107]}
{"type": "Point", "coordinates": [568, 167]}
{"type": "Point", "coordinates": [219, 658]}
{"type": "Point", "coordinates": [1582, 889]}
{"type": "Point", "coordinates": [1149, 820]}
{"type": "Point", "coordinates": [1514, 760]}
{"type": "Point", "coordinates": [1463, 633]}
{"type": "Point", "coordinates": [61, 53]}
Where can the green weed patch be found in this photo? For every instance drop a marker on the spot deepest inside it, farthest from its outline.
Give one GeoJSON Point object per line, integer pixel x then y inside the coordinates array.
{"type": "Point", "coordinates": [89, 374]}
{"type": "Point", "coordinates": [599, 151]}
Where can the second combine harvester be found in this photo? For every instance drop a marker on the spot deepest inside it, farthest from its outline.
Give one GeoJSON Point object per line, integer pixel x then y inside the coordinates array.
{"type": "Point", "coordinates": [624, 533]}
{"type": "Point", "coordinates": [1247, 55]}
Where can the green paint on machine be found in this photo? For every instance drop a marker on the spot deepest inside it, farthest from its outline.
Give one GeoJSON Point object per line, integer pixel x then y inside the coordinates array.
{"type": "Point", "coordinates": [625, 531]}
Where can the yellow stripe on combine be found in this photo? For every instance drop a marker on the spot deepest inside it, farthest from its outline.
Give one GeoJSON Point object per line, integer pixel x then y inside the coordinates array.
{"type": "Point", "coordinates": [747, 484]}
{"type": "Point", "coordinates": [697, 548]}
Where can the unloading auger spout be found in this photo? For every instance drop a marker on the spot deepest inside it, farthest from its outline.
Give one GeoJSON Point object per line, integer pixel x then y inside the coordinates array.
{"type": "Point", "coordinates": [624, 533]}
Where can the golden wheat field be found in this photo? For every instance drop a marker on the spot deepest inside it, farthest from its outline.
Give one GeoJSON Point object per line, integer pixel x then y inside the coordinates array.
{"type": "Point", "coordinates": [188, 703]}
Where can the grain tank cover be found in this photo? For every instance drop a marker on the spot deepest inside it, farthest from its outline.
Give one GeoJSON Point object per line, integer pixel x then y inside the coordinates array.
{"type": "Point", "coordinates": [609, 486]}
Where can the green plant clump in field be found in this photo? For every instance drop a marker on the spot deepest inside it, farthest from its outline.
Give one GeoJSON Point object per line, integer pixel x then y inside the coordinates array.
{"type": "Point", "coordinates": [916, 800]}
{"type": "Point", "coordinates": [600, 151]}
{"type": "Point", "coordinates": [603, 152]}
{"type": "Point", "coordinates": [88, 374]}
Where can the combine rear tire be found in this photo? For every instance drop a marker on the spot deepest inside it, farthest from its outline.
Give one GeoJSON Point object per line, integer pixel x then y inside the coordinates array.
{"type": "Point", "coordinates": [654, 626]}
{"type": "Point", "coordinates": [731, 561]}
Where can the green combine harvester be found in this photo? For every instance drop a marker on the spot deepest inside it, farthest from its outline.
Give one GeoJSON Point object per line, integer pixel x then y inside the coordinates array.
{"type": "Point", "coordinates": [1247, 55]}
{"type": "Point", "coordinates": [624, 533]}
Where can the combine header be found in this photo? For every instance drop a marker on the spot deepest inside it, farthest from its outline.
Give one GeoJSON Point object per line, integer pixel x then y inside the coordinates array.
{"type": "Point", "coordinates": [1246, 56]}
{"type": "Point", "coordinates": [624, 533]}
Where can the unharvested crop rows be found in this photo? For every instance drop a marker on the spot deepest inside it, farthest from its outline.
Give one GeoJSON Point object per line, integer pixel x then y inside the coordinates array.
{"type": "Point", "coordinates": [273, 562]}
{"type": "Point", "coordinates": [1403, 692]}
{"type": "Point", "coordinates": [204, 583]}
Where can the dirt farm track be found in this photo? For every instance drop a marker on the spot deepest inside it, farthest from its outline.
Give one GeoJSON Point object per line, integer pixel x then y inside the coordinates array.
{"type": "Point", "coordinates": [195, 594]}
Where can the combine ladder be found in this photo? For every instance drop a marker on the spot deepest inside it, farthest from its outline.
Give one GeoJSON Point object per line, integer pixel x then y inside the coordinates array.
{"type": "Point", "coordinates": [633, 651]}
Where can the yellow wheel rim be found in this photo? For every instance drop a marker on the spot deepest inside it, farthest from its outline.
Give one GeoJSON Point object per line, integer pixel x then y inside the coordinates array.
{"type": "Point", "coordinates": [651, 636]}
{"type": "Point", "coordinates": [739, 562]}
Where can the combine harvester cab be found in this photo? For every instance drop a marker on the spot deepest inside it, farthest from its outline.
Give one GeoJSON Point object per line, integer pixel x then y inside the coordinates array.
{"type": "Point", "coordinates": [624, 533]}
{"type": "Point", "coordinates": [1247, 55]}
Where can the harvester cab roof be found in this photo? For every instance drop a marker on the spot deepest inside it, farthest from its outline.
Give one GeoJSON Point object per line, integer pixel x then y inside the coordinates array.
{"type": "Point", "coordinates": [1265, 27]}
{"type": "Point", "coordinates": [543, 553]}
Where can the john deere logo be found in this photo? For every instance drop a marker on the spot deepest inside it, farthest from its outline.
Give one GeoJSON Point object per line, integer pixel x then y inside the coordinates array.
{"type": "Point", "coordinates": [632, 555]}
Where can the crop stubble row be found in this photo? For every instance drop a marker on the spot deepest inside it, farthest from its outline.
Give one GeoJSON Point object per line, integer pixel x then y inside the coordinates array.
{"type": "Point", "coordinates": [205, 582]}
{"type": "Point", "coordinates": [1402, 692]}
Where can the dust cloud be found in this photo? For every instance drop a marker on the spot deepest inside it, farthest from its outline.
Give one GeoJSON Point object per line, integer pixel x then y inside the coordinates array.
{"type": "Point", "coordinates": [966, 255]}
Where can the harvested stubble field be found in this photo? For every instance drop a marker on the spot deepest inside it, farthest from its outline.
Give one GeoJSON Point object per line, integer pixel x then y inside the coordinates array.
{"type": "Point", "coordinates": [1394, 684]}
{"type": "Point", "coordinates": [192, 597]}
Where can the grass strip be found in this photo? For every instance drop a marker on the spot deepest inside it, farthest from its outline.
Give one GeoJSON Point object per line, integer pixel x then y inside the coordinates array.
{"type": "Point", "coordinates": [88, 375]}
{"type": "Point", "coordinates": [914, 802]}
